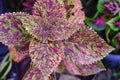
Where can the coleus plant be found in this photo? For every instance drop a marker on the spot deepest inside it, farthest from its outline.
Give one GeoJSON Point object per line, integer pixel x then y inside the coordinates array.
{"type": "Point", "coordinates": [54, 34]}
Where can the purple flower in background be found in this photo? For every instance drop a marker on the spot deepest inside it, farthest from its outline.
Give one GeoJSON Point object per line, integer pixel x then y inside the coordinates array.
{"type": "Point", "coordinates": [117, 23]}
{"type": "Point", "coordinates": [99, 22]}
{"type": "Point", "coordinates": [112, 6]}
{"type": "Point", "coordinates": [117, 46]}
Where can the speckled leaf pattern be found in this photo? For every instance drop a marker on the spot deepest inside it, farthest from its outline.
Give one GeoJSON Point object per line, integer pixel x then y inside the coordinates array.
{"type": "Point", "coordinates": [86, 47]}
{"type": "Point", "coordinates": [46, 56]}
{"type": "Point", "coordinates": [34, 25]}
{"type": "Point", "coordinates": [53, 36]}
{"type": "Point", "coordinates": [45, 8]}
{"type": "Point", "coordinates": [83, 70]}
{"type": "Point", "coordinates": [76, 17]}
{"type": "Point", "coordinates": [54, 17]}
{"type": "Point", "coordinates": [56, 26]}
{"type": "Point", "coordinates": [75, 21]}
{"type": "Point", "coordinates": [12, 31]}
{"type": "Point", "coordinates": [33, 74]}
{"type": "Point", "coordinates": [37, 27]}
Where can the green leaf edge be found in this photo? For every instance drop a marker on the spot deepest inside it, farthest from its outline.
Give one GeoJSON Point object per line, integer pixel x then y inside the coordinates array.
{"type": "Point", "coordinates": [114, 42]}
{"type": "Point", "coordinates": [111, 25]}
{"type": "Point", "coordinates": [94, 27]}
{"type": "Point", "coordinates": [107, 34]}
{"type": "Point", "coordinates": [5, 63]}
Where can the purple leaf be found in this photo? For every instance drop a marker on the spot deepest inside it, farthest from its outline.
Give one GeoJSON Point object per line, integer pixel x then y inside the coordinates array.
{"type": "Point", "coordinates": [86, 47]}
{"type": "Point", "coordinates": [46, 56]}
{"type": "Point", "coordinates": [83, 70]}
{"type": "Point", "coordinates": [12, 31]}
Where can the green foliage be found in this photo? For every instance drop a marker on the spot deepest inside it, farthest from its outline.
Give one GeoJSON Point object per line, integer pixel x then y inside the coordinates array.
{"type": "Point", "coordinates": [100, 7]}
{"type": "Point", "coordinates": [5, 66]}
{"type": "Point", "coordinates": [110, 17]}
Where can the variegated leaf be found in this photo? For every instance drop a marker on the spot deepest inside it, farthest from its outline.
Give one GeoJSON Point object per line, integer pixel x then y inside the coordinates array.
{"type": "Point", "coordinates": [46, 56]}
{"type": "Point", "coordinates": [75, 21]}
{"type": "Point", "coordinates": [77, 3]}
{"type": "Point", "coordinates": [86, 47]}
{"type": "Point", "coordinates": [54, 17]}
{"type": "Point", "coordinates": [34, 73]}
{"type": "Point", "coordinates": [34, 25]}
{"type": "Point", "coordinates": [45, 8]}
{"type": "Point", "coordinates": [55, 24]}
{"type": "Point", "coordinates": [83, 70]}
{"type": "Point", "coordinates": [12, 32]}
{"type": "Point", "coordinates": [39, 28]}
{"type": "Point", "coordinates": [76, 16]}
